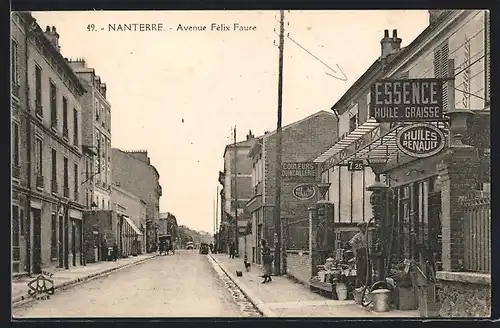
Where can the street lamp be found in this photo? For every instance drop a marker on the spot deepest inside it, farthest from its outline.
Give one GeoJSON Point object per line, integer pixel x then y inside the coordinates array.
{"type": "Point", "coordinates": [381, 213]}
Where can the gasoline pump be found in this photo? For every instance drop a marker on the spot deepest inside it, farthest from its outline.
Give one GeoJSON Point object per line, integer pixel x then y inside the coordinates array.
{"type": "Point", "coordinates": [379, 254]}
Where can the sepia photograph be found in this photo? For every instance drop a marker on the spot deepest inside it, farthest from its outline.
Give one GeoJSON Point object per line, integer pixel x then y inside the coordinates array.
{"type": "Point", "coordinates": [250, 164]}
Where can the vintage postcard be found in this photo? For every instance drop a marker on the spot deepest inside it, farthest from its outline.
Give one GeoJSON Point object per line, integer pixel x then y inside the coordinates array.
{"type": "Point", "coordinates": [237, 164]}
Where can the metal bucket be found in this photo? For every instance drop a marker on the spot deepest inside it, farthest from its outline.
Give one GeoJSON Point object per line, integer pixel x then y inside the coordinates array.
{"type": "Point", "coordinates": [381, 299]}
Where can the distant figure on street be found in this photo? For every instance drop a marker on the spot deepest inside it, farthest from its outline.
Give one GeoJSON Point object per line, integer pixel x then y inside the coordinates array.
{"type": "Point", "coordinates": [232, 250]}
{"type": "Point", "coordinates": [267, 261]}
{"type": "Point", "coordinates": [115, 252]}
{"type": "Point", "coordinates": [211, 247]}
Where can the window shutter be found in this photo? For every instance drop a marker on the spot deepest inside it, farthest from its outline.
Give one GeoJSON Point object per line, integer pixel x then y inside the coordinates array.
{"type": "Point", "coordinates": [445, 53]}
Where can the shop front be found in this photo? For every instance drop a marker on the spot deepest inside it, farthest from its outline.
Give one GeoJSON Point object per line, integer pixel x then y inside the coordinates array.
{"type": "Point", "coordinates": [129, 235]}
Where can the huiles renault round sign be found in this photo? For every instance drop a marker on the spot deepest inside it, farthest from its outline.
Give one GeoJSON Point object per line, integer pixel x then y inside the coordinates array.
{"type": "Point", "coordinates": [420, 140]}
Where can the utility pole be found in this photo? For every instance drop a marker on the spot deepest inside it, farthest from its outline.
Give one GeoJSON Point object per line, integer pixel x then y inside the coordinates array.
{"type": "Point", "coordinates": [235, 154]}
{"type": "Point", "coordinates": [277, 196]}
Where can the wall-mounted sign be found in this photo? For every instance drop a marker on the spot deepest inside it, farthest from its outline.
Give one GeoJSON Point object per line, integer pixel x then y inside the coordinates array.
{"type": "Point", "coordinates": [355, 165]}
{"type": "Point", "coordinates": [416, 100]}
{"type": "Point", "coordinates": [304, 191]}
{"type": "Point", "coordinates": [420, 140]}
{"type": "Point", "coordinates": [298, 170]}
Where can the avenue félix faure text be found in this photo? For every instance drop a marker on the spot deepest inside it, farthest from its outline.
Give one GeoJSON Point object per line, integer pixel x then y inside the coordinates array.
{"type": "Point", "coordinates": [216, 27]}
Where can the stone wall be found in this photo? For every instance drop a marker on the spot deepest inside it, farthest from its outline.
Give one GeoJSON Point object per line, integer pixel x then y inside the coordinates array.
{"type": "Point", "coordinates": [464, 294]}
{"type": "Point", "coordinates": [299, 265]}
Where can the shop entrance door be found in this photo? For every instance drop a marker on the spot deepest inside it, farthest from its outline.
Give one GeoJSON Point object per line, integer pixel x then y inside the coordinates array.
{"type": "Point", "coordinates": [37, 241]}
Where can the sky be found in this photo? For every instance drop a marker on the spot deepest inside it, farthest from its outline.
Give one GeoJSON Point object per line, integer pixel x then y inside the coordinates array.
{"type": "Point", "coordinates": [180, 93]}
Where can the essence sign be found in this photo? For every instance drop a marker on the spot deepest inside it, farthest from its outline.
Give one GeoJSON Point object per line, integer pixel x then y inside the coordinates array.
{"type": "Point", "coordinates": [420, 140]}
{"type": "Point", "coordinates": [415, 100]}
{"type": "Point", "coordinates": [304, 191]}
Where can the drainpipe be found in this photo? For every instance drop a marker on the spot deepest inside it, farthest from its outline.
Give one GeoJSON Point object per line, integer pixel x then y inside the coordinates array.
{"type": "Point", "coordinates": [28, 148]}
{"type": "Point", "coordinates": [335, 111]}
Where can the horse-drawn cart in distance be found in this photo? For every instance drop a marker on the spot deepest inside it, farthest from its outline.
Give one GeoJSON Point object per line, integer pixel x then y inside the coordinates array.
{"type": "Point", "coordinates": [166, 244]}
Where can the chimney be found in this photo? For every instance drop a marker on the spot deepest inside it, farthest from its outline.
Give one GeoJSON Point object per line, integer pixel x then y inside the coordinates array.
{"type": "Point", "coordinates": [390, 45]}
{"type": "Point", "coordinates": [250, 135]}
{"type": "Point", "coordinates": [53, 37]}
{"type": "Point", "coordinates": [102, 89]}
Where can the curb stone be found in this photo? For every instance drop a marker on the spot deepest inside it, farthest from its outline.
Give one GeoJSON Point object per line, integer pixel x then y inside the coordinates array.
{"type": "Point", "coordinates": [261, 306]}
{"type": "Point", "coordinates": [26, 298]}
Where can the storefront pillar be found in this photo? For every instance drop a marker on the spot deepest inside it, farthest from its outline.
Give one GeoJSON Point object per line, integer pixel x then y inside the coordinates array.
{"type": "Point", "coordinates": [459, 174]}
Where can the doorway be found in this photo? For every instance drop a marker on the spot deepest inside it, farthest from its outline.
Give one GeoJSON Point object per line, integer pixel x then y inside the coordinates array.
{"type": "Point", "coordinates": [37, 241]}
{"type": "Point", "coordinates": [73, 241]}
{"type": "Point", "coordinates": [61, 242]}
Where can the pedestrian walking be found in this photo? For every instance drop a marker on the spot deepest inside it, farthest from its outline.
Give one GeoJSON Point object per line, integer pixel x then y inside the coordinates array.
{"type": "Point", "coordinates": [232, 250]}
{"type": "Point", "coordinates": [360, 249]}
{"type": "Point", "coordinates": [211, 247]}
{"type": "Point", "coordinates": [267, 261]}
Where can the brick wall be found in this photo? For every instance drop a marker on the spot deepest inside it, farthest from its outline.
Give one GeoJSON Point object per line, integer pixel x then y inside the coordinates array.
{"type": "Point", "coordinates": [301, 142]}
{"type": "Point", "coordinates": [299, 266]}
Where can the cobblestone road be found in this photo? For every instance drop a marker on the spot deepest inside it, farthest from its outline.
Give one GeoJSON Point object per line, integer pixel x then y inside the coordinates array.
{"type": "Point", "coordinates": [180, 285]}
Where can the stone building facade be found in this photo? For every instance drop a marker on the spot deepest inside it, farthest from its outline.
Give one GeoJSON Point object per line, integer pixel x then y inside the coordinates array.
{"type": "Point", "coordinates": [236, 192]}
{"type": "Point", "coordinates": [47, 203]}
{"type": "Point", "coordinates": [133, 172]}
{"type": "Point", "coordinates": [96, 134]}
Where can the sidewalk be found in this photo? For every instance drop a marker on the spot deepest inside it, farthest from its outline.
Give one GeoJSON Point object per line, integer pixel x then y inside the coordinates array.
{"type": "Point", "coordinates": [66, 278]}
{"type": "Point", "coordinates": [285, 298]}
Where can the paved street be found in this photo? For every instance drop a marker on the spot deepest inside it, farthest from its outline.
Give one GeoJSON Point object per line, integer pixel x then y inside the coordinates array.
{"type": "Point", "coordinates": [180, 285]}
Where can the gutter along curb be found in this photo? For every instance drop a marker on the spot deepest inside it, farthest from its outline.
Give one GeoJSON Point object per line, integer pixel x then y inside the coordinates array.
{"type": "Point", "coordinates": [26, 298]}
{"type": "Point", "coordinates": [261, 306]}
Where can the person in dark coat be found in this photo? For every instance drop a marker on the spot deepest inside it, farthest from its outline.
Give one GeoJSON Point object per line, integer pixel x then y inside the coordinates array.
{"type": "Point", "coordinates": [360, 249]}
{"type": "Point", "coordinates": [267, 261]}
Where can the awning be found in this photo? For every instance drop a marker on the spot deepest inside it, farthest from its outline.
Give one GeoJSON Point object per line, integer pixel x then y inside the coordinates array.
{"type": "Point", "coordinates": [352, 137]}
{"type": "Point", "coordinates": [132, 224]}
{"type": "Point", "coordinates": [385, 146]}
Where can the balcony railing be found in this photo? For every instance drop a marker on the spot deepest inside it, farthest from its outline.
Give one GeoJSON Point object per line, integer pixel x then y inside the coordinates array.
{"type": "Point", "coordinates": [40, 181]}
{"type": "Point", "coordinates": [16, 170]}
{"type": "Point", "coordinates": [66, 192]}
{"type": "Point", "coordinates": [54, 187]}
{"type": "Point", "coordinates": [257, 189]}
{"type": "Point", "coordinates": [76, 196]}
{"type": "Point", "coordinates": [15, 89]}
{"type": "Point", "coordinates": [65, 132]}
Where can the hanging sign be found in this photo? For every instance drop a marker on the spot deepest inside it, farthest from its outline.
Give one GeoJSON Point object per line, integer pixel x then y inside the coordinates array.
{"type": "Point", "coordinates": [420, 140]}
{"type": "Point", "coordinates": [355, 165]}
{"type": "Point", "coordinates": [304, 191]}
{"type": "Point", "coordinates": [415, 100]}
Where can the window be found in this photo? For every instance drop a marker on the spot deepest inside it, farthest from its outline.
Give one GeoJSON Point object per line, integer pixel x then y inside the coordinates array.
{"type": "Point", "coordinates": [54, 170]}
{"type": "Point", "coordinates": [15, 143]}
{"type": "Point", "coordinates": [103, 113]}
{"type": "Point", "coordinates": [15, 226]}
{"type": "Point", "coordinates": [15, 64]}
{"type": "Point", "coordinates": [38, 89]}
{"type": "Point", "coordinates": [75, 127]}
{"type": "Point", "coordinates": [441, 56]}
{"type": "Point", "coordinates": [53, 104]}
{"type": "Point", "coordinates": [53, 238]}
{"type": "Point", "coordinates": [65, 117]}
{"type": "Point", "coordinates": [353, 123]}
{"type": "Point", "coordinates": [96, 110]}
{"type": "Point", "coordinates": [66, 180]}
{"type": "Point", "coordinates": [38, 156]}
{"type": "Point", "coordinates": [487, 57]}
{"type": "Point", "coordinates": [103, 204]}
{"type": "Point", "coordinates": [75, 169]}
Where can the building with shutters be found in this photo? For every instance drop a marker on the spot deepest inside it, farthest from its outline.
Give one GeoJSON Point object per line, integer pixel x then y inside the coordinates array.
{"type": "Point", "coordinates": [96, 134]}
{"type": "Point", "coordinates": [436, 198]}
{"type": "Point", "coordinates": [47, 202]}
